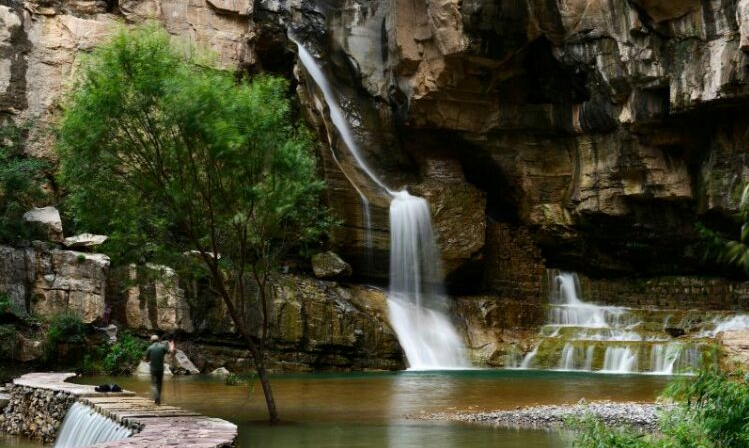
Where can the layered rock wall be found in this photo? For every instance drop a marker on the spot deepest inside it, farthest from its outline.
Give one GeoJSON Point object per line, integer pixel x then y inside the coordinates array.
{"type": "Point", "coordinates": [46, 281]}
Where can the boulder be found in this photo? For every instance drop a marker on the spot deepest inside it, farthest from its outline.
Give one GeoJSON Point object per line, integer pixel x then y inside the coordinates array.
{"type": "Point", "coordinates": [4, 400]}
{"type": "Point", "coordinates": [329, 264]}
{"type": "Point", "coordinates": [221, 371]}
{"type": "Point", "coordinates": [180, 364]}
{"type": "Point", "coordinates": [49, 219]}
{"type": "Point", "coordinates": [144, 369]}
{"type": "Point", "coordinates": [84, 241]}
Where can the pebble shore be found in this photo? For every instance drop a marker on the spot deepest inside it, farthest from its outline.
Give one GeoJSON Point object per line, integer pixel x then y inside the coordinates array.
{"type": "Point", "coordinates": [643, 416]}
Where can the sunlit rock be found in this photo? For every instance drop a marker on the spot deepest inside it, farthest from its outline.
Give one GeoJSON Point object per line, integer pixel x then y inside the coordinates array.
{"type": "Point", "coordinates": [49, 219]}
{"type": "Point", "coordinates": [84, 241]}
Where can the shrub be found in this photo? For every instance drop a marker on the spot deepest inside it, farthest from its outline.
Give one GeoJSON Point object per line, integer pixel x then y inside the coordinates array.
{"type": "Point", "coordinates": [123, 354]}
{"type": "Point", "coordinates": [21, 180]}
{"type": "Point", "coordinates": [64, 328]}
{"type": "Point", "coordinates": [712, 412]}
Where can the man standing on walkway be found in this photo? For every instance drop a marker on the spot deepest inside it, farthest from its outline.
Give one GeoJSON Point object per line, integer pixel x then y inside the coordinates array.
{"type": "Point", "coordinates": [155, 356]}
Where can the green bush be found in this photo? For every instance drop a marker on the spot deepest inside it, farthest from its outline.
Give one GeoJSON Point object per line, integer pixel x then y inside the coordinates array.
{"type": "Point", "coordinates": [21, 180]}
{"type": "Point", "coordinates": [123, 354]}
{"type": "Point", "coordinates": [64, 328]}
{"type": "Point", "coordinates": [712, 411]}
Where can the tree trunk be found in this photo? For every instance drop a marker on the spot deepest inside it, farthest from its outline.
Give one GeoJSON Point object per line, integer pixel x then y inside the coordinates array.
{"type": "Point", "coordinates": [270, 402]}
{"type": "Point", "coordinates": [257, 357]}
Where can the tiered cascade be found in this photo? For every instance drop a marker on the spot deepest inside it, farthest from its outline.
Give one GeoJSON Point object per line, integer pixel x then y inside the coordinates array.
{"type": "Point", "coordinates": [581, 336]}
{"type": "Point", "coordinates": [85, 427]}
{"type": "Point", "coordinates": [416, 299]}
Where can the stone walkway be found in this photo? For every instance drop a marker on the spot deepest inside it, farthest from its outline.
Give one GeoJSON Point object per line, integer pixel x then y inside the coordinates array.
{"type": "Point", "coordinates": [156, 426]}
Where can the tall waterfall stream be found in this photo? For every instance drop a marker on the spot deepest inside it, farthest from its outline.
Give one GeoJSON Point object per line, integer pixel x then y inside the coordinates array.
{"type": "Point", "coordinates": [416, 299]}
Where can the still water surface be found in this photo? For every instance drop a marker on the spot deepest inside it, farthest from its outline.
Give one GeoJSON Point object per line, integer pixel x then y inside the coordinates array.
{"type": "Point", "coordinates": [366, 410]}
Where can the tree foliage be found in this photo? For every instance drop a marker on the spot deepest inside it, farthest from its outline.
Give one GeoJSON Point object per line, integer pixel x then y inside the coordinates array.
{"type": "Point", "coordinates": [21, 180]}
{"type": "Point", "coordinates": [169, 157]}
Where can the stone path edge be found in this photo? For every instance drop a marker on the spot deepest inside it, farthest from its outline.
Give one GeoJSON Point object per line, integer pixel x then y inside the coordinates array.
{"type": "Point", "coordinates": [154, 426]}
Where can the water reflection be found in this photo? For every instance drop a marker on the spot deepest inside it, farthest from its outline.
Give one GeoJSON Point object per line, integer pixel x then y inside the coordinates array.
{"type": "Point", "coordinates": [367, 409]}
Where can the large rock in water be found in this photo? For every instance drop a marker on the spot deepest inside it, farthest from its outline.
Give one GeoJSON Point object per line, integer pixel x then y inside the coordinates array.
{"type": "Point", "coordinates": [329, 264]}
{"type": "Point", "coordinates": [181, 364]}
{"type": "Point", "coordinates": [144, 369]}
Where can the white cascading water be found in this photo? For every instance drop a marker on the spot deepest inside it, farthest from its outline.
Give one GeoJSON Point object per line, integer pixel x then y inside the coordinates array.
{"type": "Point", "coordinates": [605, 339]}
{"type": "Point", "coordinates": [416, 296]}
{"type": "Point", "coordinates": [84, 427]}
{"type": "Point", "coordinates": [417, 300]}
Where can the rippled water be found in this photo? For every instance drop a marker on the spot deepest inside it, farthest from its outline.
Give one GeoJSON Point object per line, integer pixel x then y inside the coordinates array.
{"type": "Point", "coordinates": [367, 409]}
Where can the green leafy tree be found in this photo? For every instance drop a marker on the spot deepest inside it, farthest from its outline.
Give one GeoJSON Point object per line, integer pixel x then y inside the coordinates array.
{"type": "Point", "coordinates": [21, 180]}
{"type": "Point", "coordinates": [170, 157]}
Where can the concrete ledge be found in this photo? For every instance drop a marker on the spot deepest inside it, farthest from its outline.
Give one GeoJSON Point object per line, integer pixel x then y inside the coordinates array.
{"type": "Point", "coordinates": [154, 426]}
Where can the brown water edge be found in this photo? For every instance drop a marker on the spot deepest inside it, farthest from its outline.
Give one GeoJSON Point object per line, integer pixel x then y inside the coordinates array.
{"type": "Point", "coordinates": [368, 397]}
{"type": "Point", "coordinates": [367, 409]}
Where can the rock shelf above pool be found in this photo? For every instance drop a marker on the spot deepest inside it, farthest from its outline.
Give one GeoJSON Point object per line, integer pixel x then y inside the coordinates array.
{"type": "Point", "coordinates": [39, 402]}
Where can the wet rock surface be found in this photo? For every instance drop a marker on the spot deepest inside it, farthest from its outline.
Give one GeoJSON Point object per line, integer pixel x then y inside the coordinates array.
{"type": "Point", "coordinates": [329, 264]}
{"type": "Point", "coordinates": [643, 416]}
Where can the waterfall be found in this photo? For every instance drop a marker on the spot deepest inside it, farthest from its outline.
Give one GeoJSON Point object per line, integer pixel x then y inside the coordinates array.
{"type": "Point", "coordinates": [416, 299]}
{"type": "Point", "coordinates": [583, 336]}
{"type": "Point", "coordinates": [85, 427]}
{"type": "Point", "coordinates": [619, 360]}
{"type": "Point", "coordinates": [338, 118]}
{"type": "Point", "coordinates": [416, 296]}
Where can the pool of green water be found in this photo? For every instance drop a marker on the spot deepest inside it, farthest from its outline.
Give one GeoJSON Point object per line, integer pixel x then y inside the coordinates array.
{"type": "Point", "coordinates": [368, 410]}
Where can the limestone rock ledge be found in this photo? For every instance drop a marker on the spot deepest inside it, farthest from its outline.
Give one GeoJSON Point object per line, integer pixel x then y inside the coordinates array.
{"type": "Point", "coordinates": [46, 280]}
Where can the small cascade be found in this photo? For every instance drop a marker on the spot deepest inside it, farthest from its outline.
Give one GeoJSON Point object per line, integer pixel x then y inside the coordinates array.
{"type": "Point", "coordinates": [85, 427]}
{"type": "Point", "coordinates": [581, 336]}
{"type": "Point", "coordinates": [416, 300]}
{"type": "Point", "coordinates": [619, 360]}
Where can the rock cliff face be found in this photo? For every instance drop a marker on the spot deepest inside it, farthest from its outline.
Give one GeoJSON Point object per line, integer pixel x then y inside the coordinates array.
{"type": "Point", "coordinates": [605, 128]}
{"type": "Point", "coordinates": [589, 135]}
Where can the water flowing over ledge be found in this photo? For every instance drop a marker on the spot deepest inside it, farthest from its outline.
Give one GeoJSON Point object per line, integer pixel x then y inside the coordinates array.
{"type": "Point", "coordinates": [582, 336]}
{"type": "Point", "coordinates": [416, 299]}
{"type": "Point", "coordinates": [116, 415]}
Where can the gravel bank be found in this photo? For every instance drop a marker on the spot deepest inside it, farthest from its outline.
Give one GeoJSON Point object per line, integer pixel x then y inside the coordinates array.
{"type": "Point", "coordinates": [643, 416]}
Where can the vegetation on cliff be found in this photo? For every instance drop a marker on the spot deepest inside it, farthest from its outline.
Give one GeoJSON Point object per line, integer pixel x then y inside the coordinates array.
{"type": "Point", "coordinates": [182, 165]}
{"type": "Point", "coordinates": [21, 181]}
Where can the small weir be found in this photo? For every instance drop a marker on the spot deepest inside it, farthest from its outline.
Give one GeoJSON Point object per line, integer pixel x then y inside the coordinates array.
{"type": "Point", "coordinates": [83, 427]}
{"type": "Point", "coordinates": [582, 336]}
{"type": "Point", "coordinates": [111, 420]}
